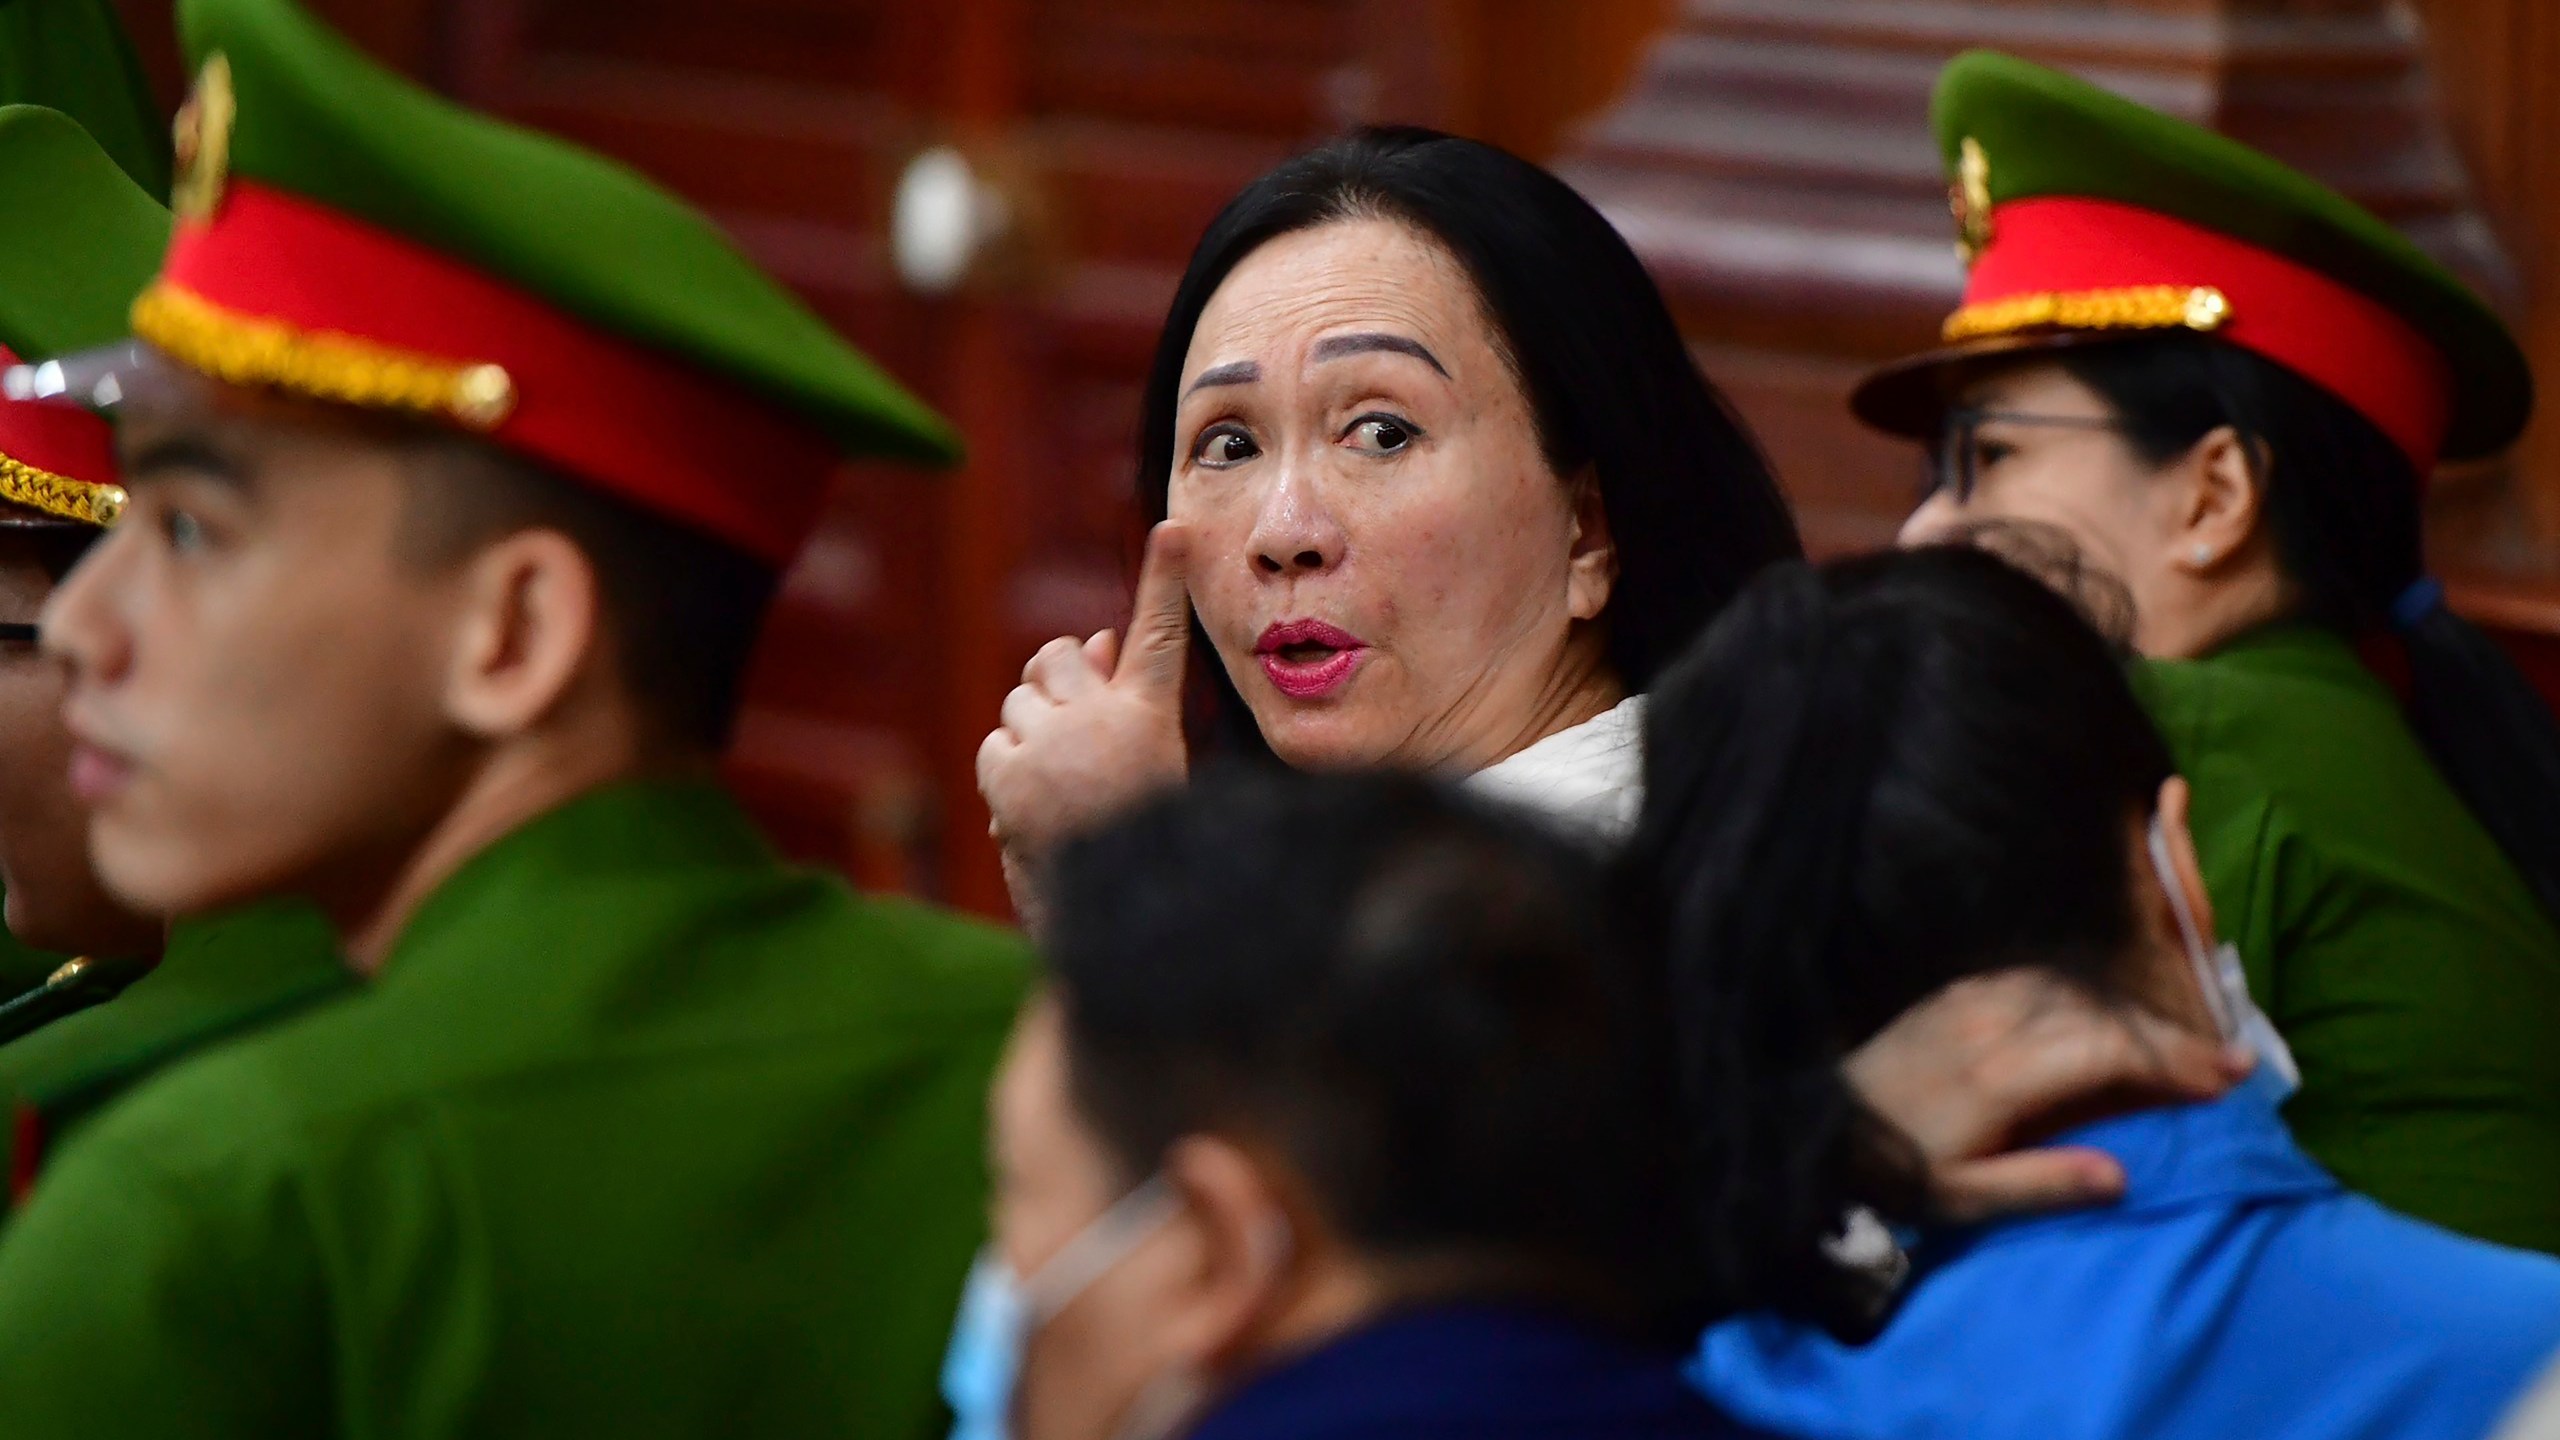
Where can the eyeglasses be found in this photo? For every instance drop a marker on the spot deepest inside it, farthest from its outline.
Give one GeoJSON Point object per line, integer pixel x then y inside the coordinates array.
{"type": "Point", "coordinates": [19, 633]}
{"type": "Point", "coordinates": [1959, 463]}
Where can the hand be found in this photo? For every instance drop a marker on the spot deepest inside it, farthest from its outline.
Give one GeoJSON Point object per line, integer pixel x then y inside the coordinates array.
{"type": "Point", "coordinates": [1095, 724]}
{"type": "Point", "coordinates": [1986, 1064]}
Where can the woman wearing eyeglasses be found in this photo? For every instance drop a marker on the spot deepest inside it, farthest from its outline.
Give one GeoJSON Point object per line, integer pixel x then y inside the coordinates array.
{"type": "Point", "coordinates": [2226, 385]}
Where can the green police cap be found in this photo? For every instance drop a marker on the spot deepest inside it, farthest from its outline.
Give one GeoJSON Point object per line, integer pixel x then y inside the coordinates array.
{"type": "Point", "coordinates": [2086, 217]}
{"type": "Point", "coordinates": [346, 236]}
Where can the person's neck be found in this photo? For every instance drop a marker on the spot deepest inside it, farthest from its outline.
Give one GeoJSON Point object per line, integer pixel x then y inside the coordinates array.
{"type": "Point", "coordinates": [2193, 617]}
{"type": "Point", "coordinates": [2166, 983]}
{"type": "Point", "coordinates": [515, 784]}
{"type": "Point", "coordinates": [1582, 688]}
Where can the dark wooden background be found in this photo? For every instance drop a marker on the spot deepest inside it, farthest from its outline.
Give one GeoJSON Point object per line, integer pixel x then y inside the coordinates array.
{"type": "Point", "coordinates": [1768, 157]}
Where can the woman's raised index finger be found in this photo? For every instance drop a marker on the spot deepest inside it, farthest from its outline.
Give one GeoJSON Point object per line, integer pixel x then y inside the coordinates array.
{"type": "Point", "coordinates": [1160, 625]}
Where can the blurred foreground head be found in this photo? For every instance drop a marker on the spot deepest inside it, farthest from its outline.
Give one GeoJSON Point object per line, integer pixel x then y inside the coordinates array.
{"type": "Point", "coordinates": [1315, 1048]}
{"type": "Point", "coordinates": [1867, 781]}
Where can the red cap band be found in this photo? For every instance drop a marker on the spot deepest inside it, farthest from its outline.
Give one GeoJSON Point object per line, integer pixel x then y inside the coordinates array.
{"type": "Point", "coordinates": [2332, 335]}
{"type": "Point", "coordinates": [629, 420]}
{"type": "Point", "coordinates": [61, 439]}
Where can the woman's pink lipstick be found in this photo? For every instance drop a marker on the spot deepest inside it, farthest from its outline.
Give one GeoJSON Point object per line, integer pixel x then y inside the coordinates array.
{"type": "Point", "coordinates": [1308, 659]}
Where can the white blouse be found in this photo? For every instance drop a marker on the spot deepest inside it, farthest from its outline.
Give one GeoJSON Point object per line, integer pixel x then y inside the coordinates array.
{"type": "Point", "coordinates": [1589, 777]}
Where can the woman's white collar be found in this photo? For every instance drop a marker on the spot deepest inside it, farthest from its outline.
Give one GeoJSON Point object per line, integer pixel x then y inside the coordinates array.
{"type": "Point", "coordinates": [1588, 776]}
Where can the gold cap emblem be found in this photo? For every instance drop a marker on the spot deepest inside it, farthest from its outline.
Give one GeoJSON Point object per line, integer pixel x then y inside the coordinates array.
{"type": "Point", "coordinates": [203, 142]}
{"type": "Point", "coordinates": [1970, 198]}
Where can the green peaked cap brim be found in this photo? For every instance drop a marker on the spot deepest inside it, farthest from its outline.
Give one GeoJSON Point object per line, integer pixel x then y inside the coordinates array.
{"type": "Point", "coordinates": [74, 56]}
{"type": "Point", "coordinates": [591, 237]}
{"type": "Point", "coordinates": [82, 239]}
{"type": "Point", "coordinates": [2049, 134]}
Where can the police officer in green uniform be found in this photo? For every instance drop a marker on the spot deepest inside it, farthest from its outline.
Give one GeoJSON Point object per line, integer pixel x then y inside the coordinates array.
{"type": "Point", "coordinates": [84, 237]}
{"type": "Point", "coordinates": [2225, 386]}
{"type": "Point", "coordinates": [461, 465]}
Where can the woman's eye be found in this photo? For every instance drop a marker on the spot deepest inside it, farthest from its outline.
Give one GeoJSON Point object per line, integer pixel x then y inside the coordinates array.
{"type": "Point", "coordinates": [1380, 434]}
{"type": "Point", "coordinates": [1987, 453]}
{"type": "Point", "coordinates": [1223, 446]}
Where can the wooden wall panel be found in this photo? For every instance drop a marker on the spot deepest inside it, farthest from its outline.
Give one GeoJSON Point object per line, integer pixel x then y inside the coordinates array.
{"type": "Point", "coordinates": [2498, 69]}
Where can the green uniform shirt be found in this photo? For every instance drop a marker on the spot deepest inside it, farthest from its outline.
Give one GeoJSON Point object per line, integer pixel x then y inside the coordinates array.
{"type": "Point", "coordinates": [2393, 944]}
{"type": "Point", "coordinates": [219, 978]}
{"type": "Point", "coordinates": [637, 1133]}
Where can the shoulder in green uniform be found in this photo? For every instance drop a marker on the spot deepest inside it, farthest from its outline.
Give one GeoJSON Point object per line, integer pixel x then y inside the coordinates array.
{"type": "Point", "coordinates": [2411, 971]}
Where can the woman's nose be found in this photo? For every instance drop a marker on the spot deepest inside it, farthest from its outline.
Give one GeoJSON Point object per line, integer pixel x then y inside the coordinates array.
{"type": "Point", "coordinates": [1933, 522]}
{"type": "Point", "coordinates": [81, 625]}
{"type": "Point", "coordinates": [1295, 533]}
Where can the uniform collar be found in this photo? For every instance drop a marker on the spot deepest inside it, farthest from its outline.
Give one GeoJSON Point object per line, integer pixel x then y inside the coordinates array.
{"type": "Point", "coordinates": [625, 831]}
{"type": "Point", "coordinates": [2232, 1148]}
{"type": "Point", "coordinates": [2294, 647]}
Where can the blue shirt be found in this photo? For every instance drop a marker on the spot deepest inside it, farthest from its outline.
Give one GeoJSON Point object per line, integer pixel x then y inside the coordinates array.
{"type": "Point", "coordinates": [2236, 1291]}
{"type": "Point", "coordinates": [1469, 1372]}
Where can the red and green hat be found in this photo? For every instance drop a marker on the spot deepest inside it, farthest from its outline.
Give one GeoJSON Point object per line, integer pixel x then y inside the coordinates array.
{"type": "Point", "coordinates": [82, 239]}
{"type": "Point", "coordinates": [2085, 218]}
{"type": "Point", "coordinates": [347, 237]}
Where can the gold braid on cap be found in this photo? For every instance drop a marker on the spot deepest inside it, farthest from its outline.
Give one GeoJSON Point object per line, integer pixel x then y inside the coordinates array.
{"type": "Point", "coordinates": [2139, 307]}
{"type": "Point", "coordinates": [59, 495]}
{"type": "Point", "coordinates": [319, 364]}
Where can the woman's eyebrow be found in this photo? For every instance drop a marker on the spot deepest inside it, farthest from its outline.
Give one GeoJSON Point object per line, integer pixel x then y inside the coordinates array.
{"type": "Point", "coordinates": [1234, 372]}
{"type": "Point", "coordinates": [1334, 347]}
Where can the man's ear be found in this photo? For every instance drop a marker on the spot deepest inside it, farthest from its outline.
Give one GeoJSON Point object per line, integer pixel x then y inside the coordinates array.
{"type": "Point", "coordinates": [530, 627]}
{"type": "Point", "coordinates": [2224, 501]}
{"type": "Point", "coordinates": [1246, 1232]}
{"type": "Point", "coordinates": [1595, 551]}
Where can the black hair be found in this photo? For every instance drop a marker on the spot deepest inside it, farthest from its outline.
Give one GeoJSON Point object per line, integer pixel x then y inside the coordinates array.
{"type": "Point", "coordinates": [1870, 780]}
{"type": "Point", "coordinates": [1421, 1000]}
{"type": "Point", "coordinates": [683, 610]}
{"type": "Point", "coordinates": [1692, 505]}
{"type": "Point", "coordinates": [2343, 504]}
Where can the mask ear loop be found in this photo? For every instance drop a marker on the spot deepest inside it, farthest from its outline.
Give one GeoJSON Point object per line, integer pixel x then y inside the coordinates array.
{"type": "Point", "coordinates": [2199, 954]}
{"type": "Point", "coordinates": [1095, 1249]}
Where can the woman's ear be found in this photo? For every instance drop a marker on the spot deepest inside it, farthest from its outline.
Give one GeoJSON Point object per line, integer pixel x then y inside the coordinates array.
{"type": "Point", "coordinates": [530, 626]}
{"type": "Point", "coordinates": [1594, 557]}
{"type": "Point", "coordinates": [2223, 504]}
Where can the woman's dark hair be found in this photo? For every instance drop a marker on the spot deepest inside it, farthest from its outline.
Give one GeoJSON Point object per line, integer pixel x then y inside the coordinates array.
{"type": "Point", "coordinates": [1691, 503]}
{"type": "Point", "coordinates": [1868, 781]}
{"type": "Point", "coordinates": [1420, 999]}
{"type": "Point", "coordinates": [2343, 503]}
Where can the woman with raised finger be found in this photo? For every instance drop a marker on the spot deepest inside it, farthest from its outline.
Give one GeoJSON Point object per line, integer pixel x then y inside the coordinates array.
{"type": "Point", "coordinates": [1441, 489]}
{"type": "Point", "coordinates": [1444, 488]}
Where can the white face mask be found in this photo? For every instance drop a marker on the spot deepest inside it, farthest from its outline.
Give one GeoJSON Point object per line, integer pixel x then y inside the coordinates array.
{"type": "Point", "coordinates": [2219, 974]}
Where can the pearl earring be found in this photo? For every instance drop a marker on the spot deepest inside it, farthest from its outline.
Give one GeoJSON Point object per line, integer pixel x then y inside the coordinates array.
{"type": "Point", "coordinates": [2202, 554]}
